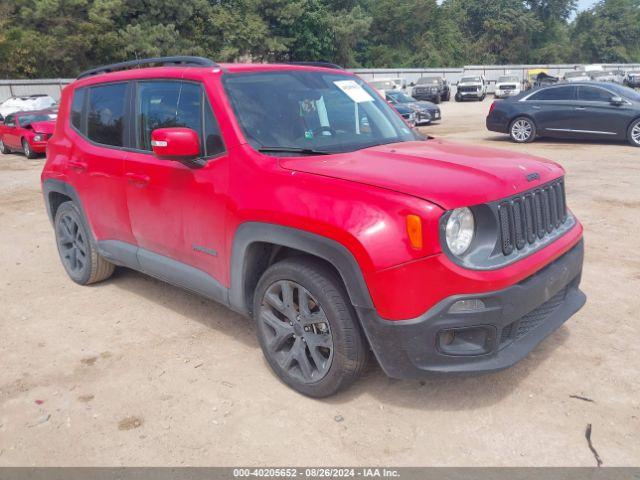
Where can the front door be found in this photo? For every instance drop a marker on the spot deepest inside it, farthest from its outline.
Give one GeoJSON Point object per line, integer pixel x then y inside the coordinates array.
{"type": "Point", "coordinates": [599, 117]}
{"type": "Point", "coordinates": [177, 210]}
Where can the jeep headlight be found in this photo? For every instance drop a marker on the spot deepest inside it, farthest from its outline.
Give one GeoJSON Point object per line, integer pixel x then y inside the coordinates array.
{"type": "Point", "coordinates": [459, 230]}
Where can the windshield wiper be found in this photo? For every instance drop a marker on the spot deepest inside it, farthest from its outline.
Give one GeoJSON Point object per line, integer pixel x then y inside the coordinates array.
{"type": "Point", "coordinates": [303, 151]}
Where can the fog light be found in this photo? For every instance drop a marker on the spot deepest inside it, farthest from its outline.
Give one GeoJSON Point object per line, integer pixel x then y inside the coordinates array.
{"type": "Point", "coordinates": [465, 306]}
{"type": "Point", "coordinates": [478, 340]}
{"type": "Point", "coordinates": [447, 337]}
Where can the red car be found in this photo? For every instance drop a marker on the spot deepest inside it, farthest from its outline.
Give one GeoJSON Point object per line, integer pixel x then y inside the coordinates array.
{"type": "Point", "coordinates": [295, 195]}
{"type": "Point", "coordinates": [27, 132]}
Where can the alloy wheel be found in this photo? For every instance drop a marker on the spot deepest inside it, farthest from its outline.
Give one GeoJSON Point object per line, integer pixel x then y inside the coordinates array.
{"type": "Point", "coordinates": [297, 331]}
{"type": "Point", "coordinates": [72, 243]}
{"type": "Point", "coordinates": [635, 133]}
{"type": "Point", "coordinates": [27, 149]}
{"type": "Point", "coordinates": [521, 130]}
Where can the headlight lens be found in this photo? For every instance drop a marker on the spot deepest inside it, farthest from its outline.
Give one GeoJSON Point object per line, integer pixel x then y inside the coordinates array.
{"type": "Point", "coordinates": [38, 138]}
{"type": "Point", "coordinates": [460, 230]}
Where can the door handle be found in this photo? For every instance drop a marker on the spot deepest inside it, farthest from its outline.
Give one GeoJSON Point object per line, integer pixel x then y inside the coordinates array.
{"type": "Point", "coordinates": [535, 107]}
{"type": "Point", "coordinates": [581, 108]}
{"type": "Point", "coordinates": [78, 166]}
{"type": "Point", "coordinates": [137, 179]}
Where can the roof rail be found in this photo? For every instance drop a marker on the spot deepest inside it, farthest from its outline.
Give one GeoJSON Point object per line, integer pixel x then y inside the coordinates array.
{"type": "Point", "coordinates": [318, 64]}
{"type": "Point", "coordinates": [181, 61]}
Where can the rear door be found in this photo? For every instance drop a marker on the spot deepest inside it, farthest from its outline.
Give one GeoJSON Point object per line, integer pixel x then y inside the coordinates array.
{"type": "Point", "coordinates": [598, 116]}
{"type": "Point", "coordinates": [99, 121]}
{"type": "Point", "coordinates": [554, 110]}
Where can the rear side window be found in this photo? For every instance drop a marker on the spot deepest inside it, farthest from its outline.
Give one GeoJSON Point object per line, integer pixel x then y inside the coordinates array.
{"type": "Point", "coordinates": [76, 108]}
{"type": "Point", "coordinates": [592, 94]}
{"type": "Point", "coordinates": [555, 93]}
{"type": "Point", "coordinates": [105, 119]}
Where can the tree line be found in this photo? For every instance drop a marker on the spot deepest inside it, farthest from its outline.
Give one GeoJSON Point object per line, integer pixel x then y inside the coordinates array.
{"type": "Point", "coordinates": [60, 38]}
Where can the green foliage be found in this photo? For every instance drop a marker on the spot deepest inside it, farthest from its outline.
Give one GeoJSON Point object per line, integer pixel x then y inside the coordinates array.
{"type": "Point", "coordinates": [610, 32]}
{"type": "Point", "coordinates": [59, 38]}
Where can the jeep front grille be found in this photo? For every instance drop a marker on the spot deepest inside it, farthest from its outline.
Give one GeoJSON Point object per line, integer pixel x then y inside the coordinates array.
{"type": "Point", "coordinates": [531, 216]}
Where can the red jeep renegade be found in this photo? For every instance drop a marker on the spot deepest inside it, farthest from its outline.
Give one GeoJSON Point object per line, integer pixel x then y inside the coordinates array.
{"type": "Point", "coordinates": [296, 195]}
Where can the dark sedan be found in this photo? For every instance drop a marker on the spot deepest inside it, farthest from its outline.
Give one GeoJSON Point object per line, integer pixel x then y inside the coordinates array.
{"type": "Point", "coordinates": [425, 112]}
{"type": "Point", "coordinates": [578, 110]}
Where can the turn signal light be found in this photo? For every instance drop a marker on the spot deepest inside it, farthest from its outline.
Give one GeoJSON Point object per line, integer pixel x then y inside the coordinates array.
{"type": "Point", "coordinates": [414, 230]}
{"type": "Point", "coordinates": [493, 105]}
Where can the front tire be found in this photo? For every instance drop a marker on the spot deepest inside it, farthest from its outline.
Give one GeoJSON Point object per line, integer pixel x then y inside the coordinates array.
{"type": "Point", "coordinates": [438, 99]}
{"type": "Point", "coordinates": [458, 98]}
{"type": "Point", "coordinates": [522, 130]}
{"type": "Point", "coordinates": [78, 253]}
{"type": "Point", "coordinates": [633, 133]}
{"type": "Point", "coordinates": [26, 148]}
{"type": "Point", "coordinates": [307, 327]}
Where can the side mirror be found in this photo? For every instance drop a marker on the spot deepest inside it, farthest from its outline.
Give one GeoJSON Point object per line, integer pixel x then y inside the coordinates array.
{"type": "Point", "coordinates": [175, 143]}
{"type": "Point", "coordinates": [616, 100]}
{"type": "Point", "coordinates": [412, 84]}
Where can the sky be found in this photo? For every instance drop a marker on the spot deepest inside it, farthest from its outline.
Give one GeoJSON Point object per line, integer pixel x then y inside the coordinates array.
{"type": "Point", "coordinates": [585, 4]}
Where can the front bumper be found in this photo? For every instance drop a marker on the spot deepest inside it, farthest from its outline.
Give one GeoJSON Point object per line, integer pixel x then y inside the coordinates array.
{"type": "Point", "coordinates": [429, 97]}
{"type": "Point", "coordinates": [506, 93]}
{"type": "Point", "coordinates": [512, 323]}
{"type": "Point", "coordinates": [38, 147]}
{"type": "Point", "coordinates": [476, 94]}
{"type": "Point", "coordinates": [424, 118]}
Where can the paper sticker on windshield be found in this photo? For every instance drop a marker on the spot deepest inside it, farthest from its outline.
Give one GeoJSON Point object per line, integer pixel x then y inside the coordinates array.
{"type": "Point", "coordinates": [354, 91]}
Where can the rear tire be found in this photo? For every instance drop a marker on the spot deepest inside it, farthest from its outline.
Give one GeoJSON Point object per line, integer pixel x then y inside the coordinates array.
{"type": "Point", "coordinates": [3, 148]}
{"type": "Point", "coordinates": [307, 327]}
{"type": "Point", "coordinates": [26, 148]}
{"type": "Point", "coordinates": [522, 130]}
{"type": "Point", "coordinates": [78, 252]}
{"type": "Point", "coordinates": [633, 133]}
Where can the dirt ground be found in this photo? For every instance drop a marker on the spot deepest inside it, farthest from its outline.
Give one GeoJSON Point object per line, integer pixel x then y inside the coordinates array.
{"type": "Point", "coordinates": [136, 372]}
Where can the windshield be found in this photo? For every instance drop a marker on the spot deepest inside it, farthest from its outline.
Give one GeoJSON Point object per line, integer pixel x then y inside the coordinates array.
{"type": "Point", "coordinates": [507, 79]}
{"type": "Point", "coordinates": [29, 119]}
{"type": "Point", "coordinates": [401, 97]}
{"type": "Point", "coordinates": [312, 111]}
{"type": "Point", "coordinates": [470, 80]}
{"type": "Point", "coordinates": [429, 81]}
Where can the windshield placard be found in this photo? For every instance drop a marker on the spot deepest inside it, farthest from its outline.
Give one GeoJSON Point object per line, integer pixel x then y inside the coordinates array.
{"type": "Point", "coordinates": [354, 91]}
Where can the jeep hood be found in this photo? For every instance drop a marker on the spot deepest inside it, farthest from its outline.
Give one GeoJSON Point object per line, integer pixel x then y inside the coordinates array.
{"type": "Point", "coordinates": [448, 174]}
{"type": "Point", "coordinates": [43, 127]}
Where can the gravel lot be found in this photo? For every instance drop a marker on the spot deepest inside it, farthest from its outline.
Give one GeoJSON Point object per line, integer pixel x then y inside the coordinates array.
{"type": "Point", "coordinates": [136, 372]}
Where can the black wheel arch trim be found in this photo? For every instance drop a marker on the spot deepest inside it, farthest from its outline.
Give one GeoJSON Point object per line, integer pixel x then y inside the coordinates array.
{"type": "Point", "coordinates": [329, 250]}
{"type": "Point", "coordinates": [52, 185]}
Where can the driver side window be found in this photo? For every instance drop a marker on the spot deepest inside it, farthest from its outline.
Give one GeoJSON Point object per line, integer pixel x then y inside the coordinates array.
{"type": "Point", "coordinates": [593, 94]}
{"type": "Point", "coordinates": [170, 103]}
{"type": "Point", "coordinates": [10, 121]}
